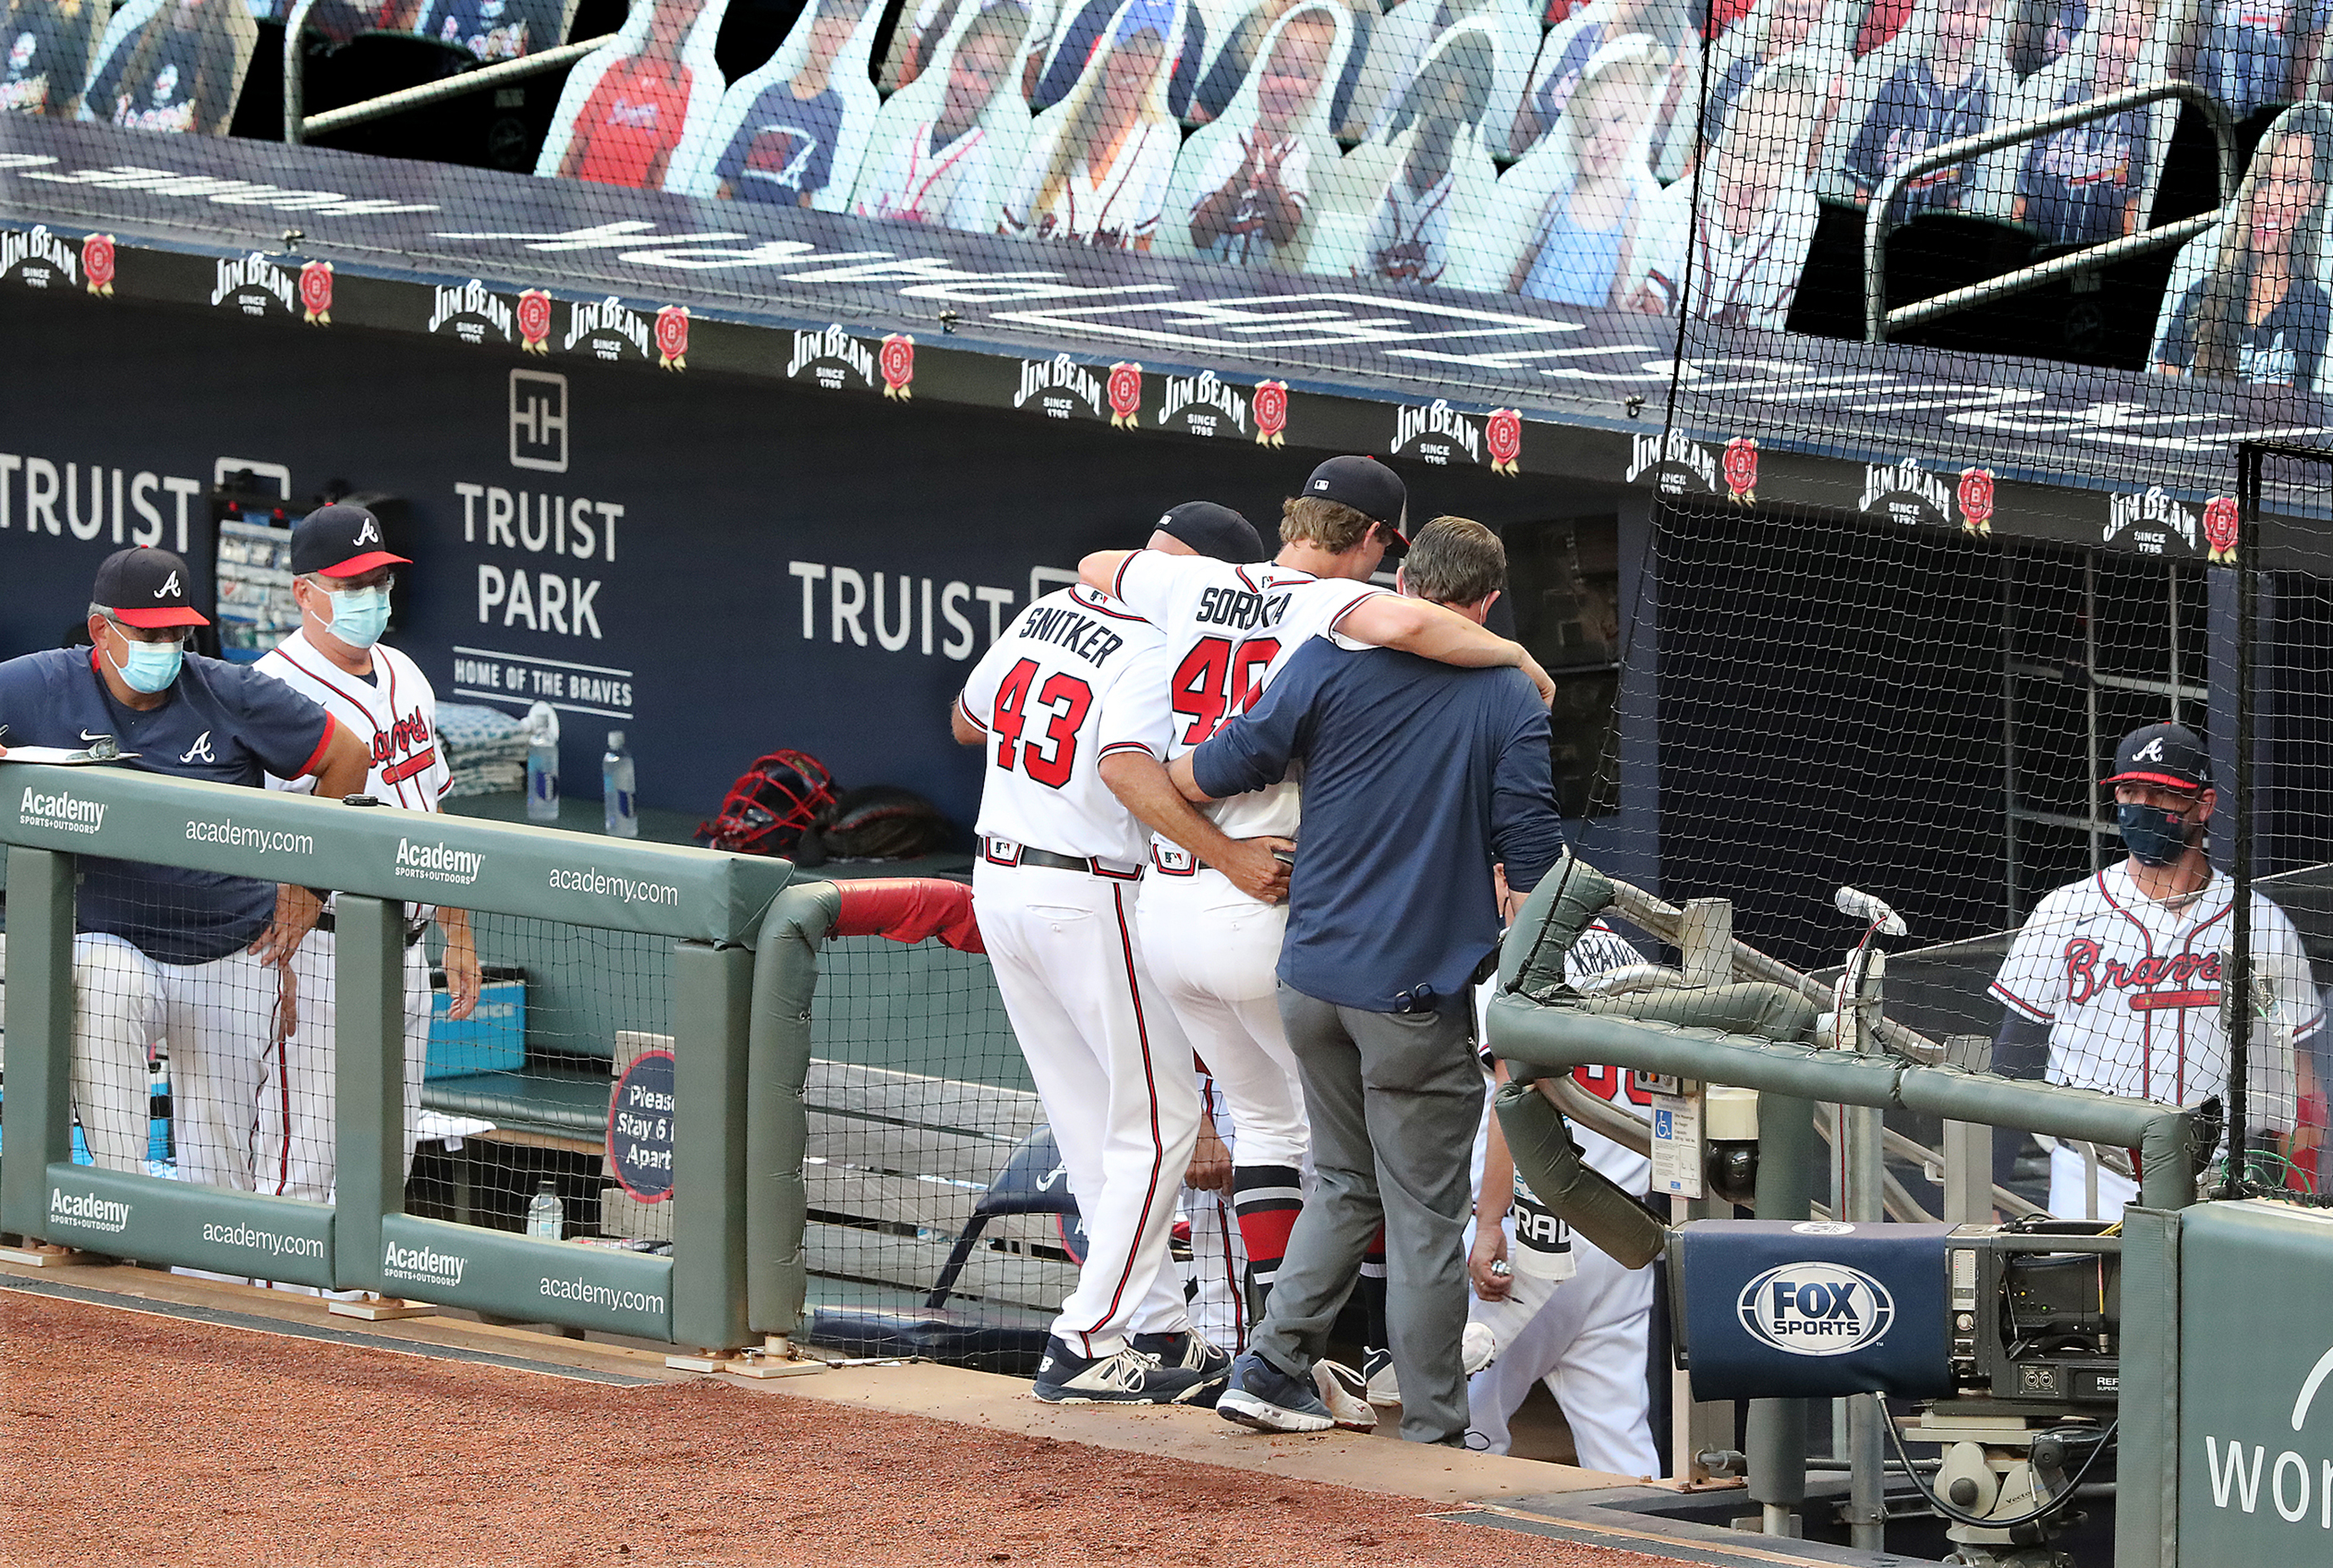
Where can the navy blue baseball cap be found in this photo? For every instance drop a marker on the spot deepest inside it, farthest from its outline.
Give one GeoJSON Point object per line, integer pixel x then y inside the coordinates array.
{"type": "Point", "coordinates": [340, 541]}
{"type": "Point", "coordinates": [1369, 487]}
{"type": "Point", "coordinates": [1213, 530]}
{"type": "Point", "coordinates": [142, 586]}
{"type": "Point", "coordinates": [2168, 755]}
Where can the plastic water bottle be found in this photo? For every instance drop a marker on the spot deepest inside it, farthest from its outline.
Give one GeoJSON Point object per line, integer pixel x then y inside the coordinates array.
{"type": "Point", "coordinates": [546, 1216]}
{"type": "Point", "coordinates": [542, 764]}
{"type": "Point", "coordinates": [618, 804]}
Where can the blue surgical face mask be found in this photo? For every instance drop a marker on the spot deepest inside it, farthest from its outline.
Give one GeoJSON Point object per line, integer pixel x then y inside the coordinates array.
{"type": "Point", "coordinates": [152, 666]}
{"type": "Point", "coordinates": [2155, 836]}
{"type": "Point", "coordinates": [359, 616]}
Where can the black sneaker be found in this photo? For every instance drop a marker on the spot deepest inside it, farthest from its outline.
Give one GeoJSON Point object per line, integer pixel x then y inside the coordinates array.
{"type": "Point", "coordinates": [1260, 1396]}
{"type": "Point", "coordinates": [1127, 1378]}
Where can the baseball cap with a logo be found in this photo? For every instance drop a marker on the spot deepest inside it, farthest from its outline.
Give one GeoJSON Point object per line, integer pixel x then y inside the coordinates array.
{"type": "Point", "coordinates": [2169, 755]}
{"type": "Point", "coordinates": [1213, 530]}
{"type": "Point", "coordinates": [1369, 487]}
{"type": "Point", "coordinates": [340, 541]}
{"type": "Point", "coordinates": [147, 587]}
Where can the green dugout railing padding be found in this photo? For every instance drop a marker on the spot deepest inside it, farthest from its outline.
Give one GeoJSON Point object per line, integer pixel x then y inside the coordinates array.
{"type": "Point", "coordinates": [716, 908]}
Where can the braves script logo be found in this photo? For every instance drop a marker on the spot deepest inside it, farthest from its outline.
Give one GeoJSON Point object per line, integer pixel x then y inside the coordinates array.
{"type": "Point", "coordinates": [1904, 478]}
{"type": "Point", "coordinates": [38, 258]}
{"type": "Point", "coordinates": [97, 263]}
{"type": "Point", "coordinates": [2088, 972]}
{"type": "Point", "coordinates": [1503, 433]}
{"type": "Point", "coordinates": [898, 360]}
{"type": "Point", "coordinates": [1125, 394]}
{"type": "Point", "coordinates": [1059, 385]}
{"type": "Point", "coordinates": [1975, 495]}
{"type": "Point", "coordinates": [2153, 519]}
{"type": "Point", "coordinates": [1676, 459]}
{"type": "Point", "coordinates": [609, 326]}
{"type": "Point", "coordinates": [533, 315]}
{"type": "Point", "coordinates": [1438, 431]}
{"type": "Point", "coordinates": [1271, 412]}
{"type": "Point", "coordinates": [1740, 464]}
{"type": "Point", "coordinates": [251, 280]}
{"type": "Point", "coordinates": [672, 337]}
{"type": "Point", "coordinates": [473, 310]}
{"type": "Point", "coordinates": [316, 293]}
{"type": "Point", "coordinates": [1202, 404]}
{"type": "Point", "coordinates": [832, 357]}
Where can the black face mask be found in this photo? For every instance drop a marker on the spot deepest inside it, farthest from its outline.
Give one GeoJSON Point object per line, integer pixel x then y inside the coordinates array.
{"type": "Point", "coordinates": [2155, 836]}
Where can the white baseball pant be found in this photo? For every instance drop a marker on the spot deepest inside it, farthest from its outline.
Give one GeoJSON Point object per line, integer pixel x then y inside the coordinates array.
{"type": "Point", "coordinates": [1215, 955]}
{"type": "Point", "coordinates": [1114, 1073]}
{"type": "Point", "coordinates": [1585, 1337]}
{"type": "Point", "coordinates": [2069, 1197]}
{"type": "Point", "coordinates": [214, 1019]}
{"type": "Point", "coordinates": [295, 1151]}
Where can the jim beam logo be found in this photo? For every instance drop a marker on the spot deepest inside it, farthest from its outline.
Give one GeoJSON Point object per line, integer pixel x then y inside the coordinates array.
{"type": "Point", "coordinates": [39, 259]}
{"type": "Point", "coordinates": [1436, 433]}
{"type": "Point", "coordinates": [96, 263]}
{"type": "Point", "coordinates": [470, 311]}
{"type": "Point", "coordinates": [834, 359]}
{"type": "Point", "coordinates": [2222, 524]}
{"type": "Point", "coordinates": [251, 282]}
{"type": "Point", "coordinates": [1060, 388]}
{"type": "Point", "coordinates": [2151, 521]}
{"type": "Point", "coordinates": [897, 359]}
{"type": "Point", "coordinates": [1677, 462]}
{"type": "Point", "coordinates": [1271, 413]}
{"type": "Point", "coordinates": [609, 329]}
{"type": "Point", "coordinates": [1906, 488]}
{"type": "Point", "coordinates": [1202, 404]}
{"type": "Point", "coordinates": [316, 293]}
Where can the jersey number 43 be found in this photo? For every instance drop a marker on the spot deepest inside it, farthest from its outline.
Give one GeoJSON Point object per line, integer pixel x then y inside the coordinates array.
{"type": "Point", "coordinates": [1216, 681]}
{"type": "Point", "coordinates": [1061, 702]}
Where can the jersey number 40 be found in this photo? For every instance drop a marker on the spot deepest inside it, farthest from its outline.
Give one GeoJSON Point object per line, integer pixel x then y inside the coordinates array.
{"type": "Point", "coordinates": [1061, 702]}
{"type": "Point", "coordinates": [1216, 681]}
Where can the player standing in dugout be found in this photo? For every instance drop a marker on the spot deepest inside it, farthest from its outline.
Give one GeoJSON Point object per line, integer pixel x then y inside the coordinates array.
{"type": "Point", "coordinates": [161, 952]}
{"type": "Point", "coordinates": [2119, 974]}
{"type": "Point", "coordinates": [342, 573]}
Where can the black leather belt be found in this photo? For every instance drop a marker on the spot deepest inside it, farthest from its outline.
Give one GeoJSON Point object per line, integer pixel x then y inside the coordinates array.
{"type": "Point", "coordinates": [324, 922]}
{"type": "Point", "coordinates": [1004, 853]}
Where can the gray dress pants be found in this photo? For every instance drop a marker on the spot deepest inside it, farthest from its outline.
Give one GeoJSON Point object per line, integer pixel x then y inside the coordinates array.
{"type": "Point", "coordinates": [1395, 1100]}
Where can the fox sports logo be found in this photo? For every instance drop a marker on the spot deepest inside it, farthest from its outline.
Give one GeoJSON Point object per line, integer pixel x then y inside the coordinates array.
{"type": "Point", "coordinates": [1817, 1309]}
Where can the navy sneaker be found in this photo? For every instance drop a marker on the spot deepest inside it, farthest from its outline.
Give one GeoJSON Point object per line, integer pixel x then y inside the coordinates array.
{"type": "Point", "coordinates": [1127, 1378]}
{"type": "Point", "coordinates": [1262, 1397]}
{"type": "Point", "coordinates": [1189, 1348]}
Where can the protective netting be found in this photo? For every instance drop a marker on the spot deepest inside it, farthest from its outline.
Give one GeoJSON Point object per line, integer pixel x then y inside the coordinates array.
{"type": "Point", "coordinates": [519, 1094]}
{"type": "Point", "coordinates": [1629, 157]}
{"type": "Point", "coordinates": [939, 1222]}
{"type": "Point", "coordinates": [1929, 716]}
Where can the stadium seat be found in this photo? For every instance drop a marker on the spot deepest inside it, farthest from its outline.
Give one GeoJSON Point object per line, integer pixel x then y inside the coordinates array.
{"type": "Point", "coordinates": [793, 132]}
{"type": "Point", "coordinates": [960, 182]}
{"type": "Point", "coordinates": [1217, 168]}
{"type": "Point", "coordinates": [1370, 222]}
{"type": "Point", "coordinates": [176, 66]}
{"type": "Point", "coordinates": [627, 108]}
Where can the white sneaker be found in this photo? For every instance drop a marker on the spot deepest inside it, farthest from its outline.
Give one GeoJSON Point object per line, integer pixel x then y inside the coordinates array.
{"type": "Point", "coordinates": [1347, 1394]}
{"type": "Point", "coordinates": [1479, 1347]}
{"type": "Point", "coordinates": [1377, 1373]}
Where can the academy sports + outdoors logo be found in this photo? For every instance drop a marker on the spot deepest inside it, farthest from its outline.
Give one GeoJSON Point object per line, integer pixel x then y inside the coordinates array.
{"type": "Point", "coordinates": [67, 813]}
{"type": "Point", "coordinates": [1815, 1309]}
{"type": "Point", "coordinates": [87, 1211]}
{"type": "Point", "coordinates": [623, 889]}
{"type": "Point", "coordinates": [274, 1244]}
{"type": "Point", "coordinates": [584, 1293]}
{"type": "Point", "coordinates": [422, 1265]}
{"type": "Point", "coordinates": [438, 863]}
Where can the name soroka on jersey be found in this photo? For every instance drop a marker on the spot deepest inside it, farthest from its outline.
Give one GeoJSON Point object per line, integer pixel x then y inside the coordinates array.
{"type": "Point", "coordinates": [1240, 609]}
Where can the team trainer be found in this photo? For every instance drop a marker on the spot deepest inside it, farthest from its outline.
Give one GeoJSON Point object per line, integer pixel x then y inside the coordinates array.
{"type": "Point", "coordinates": [190, 957]}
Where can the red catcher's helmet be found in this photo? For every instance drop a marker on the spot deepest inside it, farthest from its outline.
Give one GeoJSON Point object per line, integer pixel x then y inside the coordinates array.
{"type": "Point", "coordinates": [766, 811]}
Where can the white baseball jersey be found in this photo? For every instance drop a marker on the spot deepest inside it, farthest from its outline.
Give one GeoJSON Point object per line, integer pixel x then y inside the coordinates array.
{"type": "Point", "coordinates": [1076, 676]}
{"type": "Point", "coordinates": [1228, 632]}
{"type": "Point", "coordinates": [394, 713]}
{"type": "Point", "coordinates": [2130, 988]}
